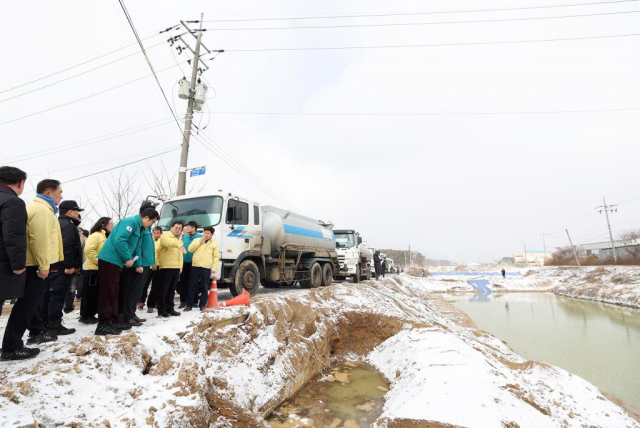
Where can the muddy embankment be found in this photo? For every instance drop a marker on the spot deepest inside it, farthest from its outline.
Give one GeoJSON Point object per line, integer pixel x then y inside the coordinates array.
{"type": "Point", "coordinates": [232, 368]}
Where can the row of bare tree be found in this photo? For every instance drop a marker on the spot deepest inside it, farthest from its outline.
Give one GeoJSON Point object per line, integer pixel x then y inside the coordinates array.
{"type": "Point", "coordinates": [629, 253]}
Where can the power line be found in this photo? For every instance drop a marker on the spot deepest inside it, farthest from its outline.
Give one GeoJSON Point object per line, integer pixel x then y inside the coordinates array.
{"type": "Point", "coordinates": [83, 98]}
{"type": "Point", "coordinates": [73, 66]}
{"type": "Point", "coordinates": [503, 42]}
{"type": "Point", "coordinates": [121, 166]}
{"type": "Point", "coordinates": [208, 142]}
{"type": "Point", "coordinates": [378, 15]}
{"type": "Point", "coordinates": [418, 114]}
{"type": "Point", "coordinates": [76, 75]}
{"type": "Point", "coordinates": [146, 56]}
{"type": "Point", "coordinates": [406, 24]}
{"type": "Point", "coordinates": [89, 141]}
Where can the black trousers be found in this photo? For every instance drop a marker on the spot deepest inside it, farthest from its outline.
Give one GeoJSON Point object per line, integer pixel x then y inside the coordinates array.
{"type": "Point", "coordinates": [127, 278]}
{"type": "Point", "coordinates": [24, 310]}
{"type": "Point", "coordinates": [75, 289]}
{"type": "Point", "coordinates": [166, 291]}
{"type": "Point", "coordinates": [184, 282]}
{"type": "Point", "coordinates": [59, 283]}
{"type": "Point", "coordinates": [90, 291]}
{"type": "Point", "coordinates": [200, 279]}
{"type": "Point", "coordinates": [145, 287]}
{"type": "Point", "coordinates": [133, 293]}
{"type": "Point", "coordinates": [153, 292]}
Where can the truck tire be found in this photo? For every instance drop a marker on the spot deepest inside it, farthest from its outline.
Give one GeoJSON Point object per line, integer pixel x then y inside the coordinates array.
{"type": "Point", "coordinates": [315, 277]}
{"type": "Point", "coordinates": [247, 278]}
{"type": "Point", "coordinates": [270, 284]}
{"type": "Point", "coordinates": [356, 277]}
{"type": "Point", "coordinates": [327, 274]}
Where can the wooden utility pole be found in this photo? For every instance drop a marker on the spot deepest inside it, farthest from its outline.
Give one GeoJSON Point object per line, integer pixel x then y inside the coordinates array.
{"type": "Point", "coordinates": [575, 254]}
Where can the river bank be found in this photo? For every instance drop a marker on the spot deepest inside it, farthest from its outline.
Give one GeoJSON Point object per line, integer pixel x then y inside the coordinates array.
{"type": "Point", "coordinates": [619, 285]}
{"type": "Point", "coordinates": [232, 368]}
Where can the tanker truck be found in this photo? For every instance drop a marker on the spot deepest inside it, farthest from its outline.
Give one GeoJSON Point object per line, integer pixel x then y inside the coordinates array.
{"type": "Point", "coordinates": [259, 244]}
{"type": "Point", "coordinates": [353, 255]}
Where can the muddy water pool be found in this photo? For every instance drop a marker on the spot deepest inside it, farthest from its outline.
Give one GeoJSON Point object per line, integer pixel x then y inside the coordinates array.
{"type": "Point", "coordinates": [350, 395]}
{"type": "Point", "coordinates": [597, 341]}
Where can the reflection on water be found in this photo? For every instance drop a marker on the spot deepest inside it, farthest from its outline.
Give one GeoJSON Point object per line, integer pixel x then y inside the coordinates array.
{"type": "Point", "coordinates": [596, 341]}
{"type": "Point", "coordinates": [351, 396]}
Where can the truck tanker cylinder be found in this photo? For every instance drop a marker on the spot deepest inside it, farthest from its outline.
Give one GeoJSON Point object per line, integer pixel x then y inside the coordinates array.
{"type": "Point", "coordinates": [284, 227]}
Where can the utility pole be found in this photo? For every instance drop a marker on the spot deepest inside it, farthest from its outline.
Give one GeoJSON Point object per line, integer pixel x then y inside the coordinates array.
{"type": "Point", "coordinates": [525, 255]}
{"type": "Point", "coordinates": [182, 175]}
{"type": "Point", "coordinates": [606, 208]}
{"type": "Point", "coordinates": [409, 255]}
{"type": "Point", "coordinates": [573, 248]}
{"type": "Point", "coordinates": [544, 245]}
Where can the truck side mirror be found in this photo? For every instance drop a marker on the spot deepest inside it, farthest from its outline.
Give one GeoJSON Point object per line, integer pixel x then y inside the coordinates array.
{"type": "Point", "coordinates": [359, 240]}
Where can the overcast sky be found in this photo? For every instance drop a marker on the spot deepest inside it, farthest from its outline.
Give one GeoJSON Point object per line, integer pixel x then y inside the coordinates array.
{"type": "Point", "coordinates": [457, 182]}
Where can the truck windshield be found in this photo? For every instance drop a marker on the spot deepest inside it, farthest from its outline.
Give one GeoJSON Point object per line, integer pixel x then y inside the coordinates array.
{"type": "Point", "coordinates": [345, 240]}
{"type": "Point", "coordinates": [206, 211]}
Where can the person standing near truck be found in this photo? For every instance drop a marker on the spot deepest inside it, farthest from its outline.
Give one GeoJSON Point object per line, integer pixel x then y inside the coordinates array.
{"type": "Point", "coordinates": [189, 235]}
{"type": "Point", "coordinates": [150, 297]}
{"type": "Point", "coordinates": [206, 259]}
{"type": "Point", "coordinates": [170, 252]}
{"type": "Point", "coordinates": [98, 236]}
{"type": "Point", "coordinates": [377, 265]}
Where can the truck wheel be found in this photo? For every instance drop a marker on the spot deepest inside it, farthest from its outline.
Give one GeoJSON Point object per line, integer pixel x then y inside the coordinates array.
{"type": "Point", "coordinates": [270, 284]}
{"type": "Point", "coordinates": [356, 277]}
{"type": "Point", "coordinates": [315, 277]}
{"type": "Point", "coordinates": [247, 278]}
{"type": "Point", "coordinates": [327, 274]}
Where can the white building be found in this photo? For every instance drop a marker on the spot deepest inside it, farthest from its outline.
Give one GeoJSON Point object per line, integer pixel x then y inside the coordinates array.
{"type": "Point", "coordinates": [532, 258]}
{"type": "Point", "coordinates": [603, 250]}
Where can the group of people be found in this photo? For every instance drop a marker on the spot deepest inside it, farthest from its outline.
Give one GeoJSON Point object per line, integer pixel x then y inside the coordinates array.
{"type": "Point", "coordinates": [117, 267]}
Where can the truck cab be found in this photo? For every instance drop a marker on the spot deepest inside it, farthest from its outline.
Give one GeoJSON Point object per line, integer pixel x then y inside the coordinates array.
{"type": "Point", "coordinates": [353, 255]}
{"type": "Point", "coordinates": [237, 224]}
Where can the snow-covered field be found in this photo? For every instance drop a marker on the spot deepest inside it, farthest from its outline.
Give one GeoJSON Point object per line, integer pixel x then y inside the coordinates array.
{"type": "Point", "coordinates": [193, 371]}
{"type": "Point", "coordinates": [618, 285]}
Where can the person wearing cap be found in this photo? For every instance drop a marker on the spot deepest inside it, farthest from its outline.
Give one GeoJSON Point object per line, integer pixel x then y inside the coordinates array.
{"type": "Point", "coordinates": [206, 259]}
{"type": "Point", "coordinates": [189, 236]}
{"type": "Point", "coordinates": [62, 272]}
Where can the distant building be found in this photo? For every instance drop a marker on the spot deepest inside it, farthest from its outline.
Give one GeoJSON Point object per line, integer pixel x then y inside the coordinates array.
{"type": "Point", "coordinates": [603, 250]}
{"type": "Point", "coordinates": [532, 258]}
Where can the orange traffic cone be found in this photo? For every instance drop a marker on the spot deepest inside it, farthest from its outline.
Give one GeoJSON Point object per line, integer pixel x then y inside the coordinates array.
{"type": "Point", "coordinates": [243, 299]}
{"type": "Point", "coordinates": [212, 302]}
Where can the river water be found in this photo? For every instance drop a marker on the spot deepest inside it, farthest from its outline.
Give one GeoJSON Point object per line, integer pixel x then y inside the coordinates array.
{"type": "Point", "coordinates": [597, 341]}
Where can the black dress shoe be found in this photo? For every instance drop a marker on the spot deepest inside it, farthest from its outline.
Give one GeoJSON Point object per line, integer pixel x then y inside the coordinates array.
{"type": "Point", "coordinates": [174, 313]}
{"type": "Point", "coordinates": [134, 323]}
{"type": "Point", "coordinates": [138, 319]}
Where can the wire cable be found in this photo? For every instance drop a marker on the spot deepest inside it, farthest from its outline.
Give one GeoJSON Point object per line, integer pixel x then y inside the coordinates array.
{"type": "Point", "coordinates": [146, 57]}
{"type": "Point", "coordinates": [407, 24]}
{"type": "Point", "coordinates": [76, 75]}
{"type": "Point", "coordinates": [83, 98]}
{"type": "Point", "coordinates": [74, 66]}
{"type": "Point", "coordinates": [499, 42]}
{"type": "Point", "coordinates": [88, 142]}
{"type": "Point", "coordinates": [379, 15]}
{"type": "Point", "coordinates": [419, 114]}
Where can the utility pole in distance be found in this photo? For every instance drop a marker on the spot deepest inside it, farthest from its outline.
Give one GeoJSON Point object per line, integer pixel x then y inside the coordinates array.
{"type": "Point", "coordinates": [606, 208]}
{"type": "Point", "coordinates": [182, 175]}
{"type": "Point", "coordinates": [573, 248]}
{"type": "Point", "coordinates": [544, 245]}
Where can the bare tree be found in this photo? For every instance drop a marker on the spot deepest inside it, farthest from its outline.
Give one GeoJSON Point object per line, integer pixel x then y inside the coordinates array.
{"type": "Point", "coordinates": [631, 241]}
{"type": "Point", "coordinates": [161, 183]}
{"type": "Point", "coordinates": [566, 253]}
{"type": "Point", "coordinates": [120, 196]}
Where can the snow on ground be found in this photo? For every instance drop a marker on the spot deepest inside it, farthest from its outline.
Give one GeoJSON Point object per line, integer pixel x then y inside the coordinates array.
{"type": "Point", "coordinates": [612, 284]}
{"type": "Point", "coordinates": [232, 367]}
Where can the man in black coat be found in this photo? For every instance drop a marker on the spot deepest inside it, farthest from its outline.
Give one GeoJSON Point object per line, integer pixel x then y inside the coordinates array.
{"type": "Point", "coordinates": [13, 233]}
{"type": "Point", "coordinates": [62, 272]}
{"type": "Point", "coordinates": [13, 247]}
{"type": "Point", "coordinates": [377, 266]}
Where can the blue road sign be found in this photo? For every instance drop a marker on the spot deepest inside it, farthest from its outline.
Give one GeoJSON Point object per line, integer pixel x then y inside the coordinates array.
{"type": "Point", "coordinates": [197, 172]}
